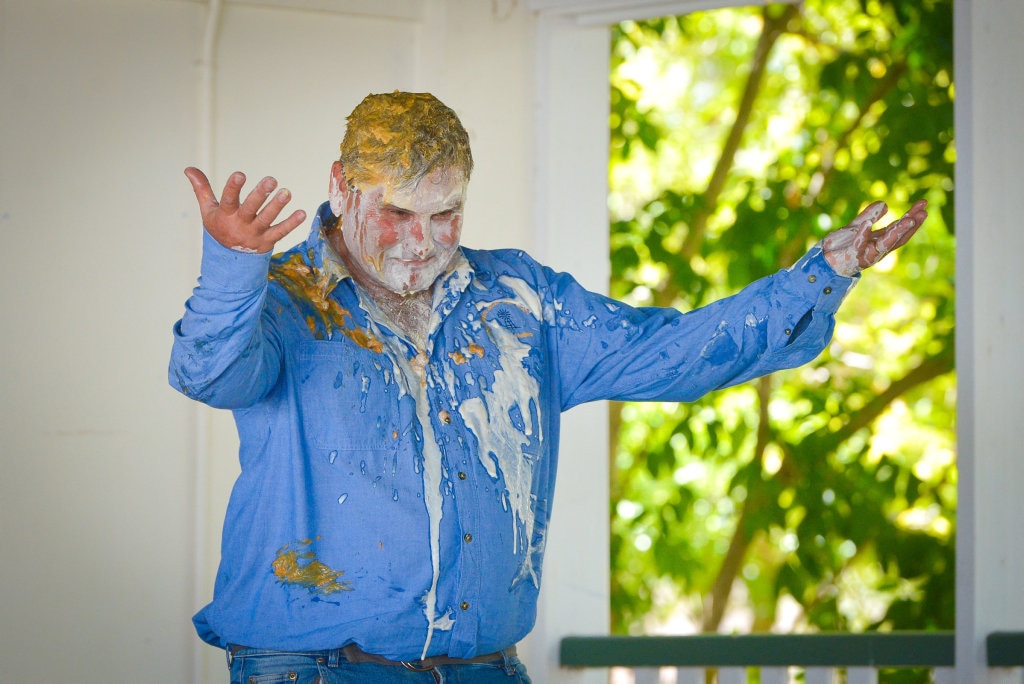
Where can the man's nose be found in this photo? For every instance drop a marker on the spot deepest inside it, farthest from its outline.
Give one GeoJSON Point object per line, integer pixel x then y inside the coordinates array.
{"type": "Point", "coordinates": [419, 236]}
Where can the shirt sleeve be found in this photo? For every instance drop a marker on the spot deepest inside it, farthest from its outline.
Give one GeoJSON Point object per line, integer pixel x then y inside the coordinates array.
{"type": "Point", "coordinates": [608, 350]}
{"type": "Point", "coordinates": [225, 352]}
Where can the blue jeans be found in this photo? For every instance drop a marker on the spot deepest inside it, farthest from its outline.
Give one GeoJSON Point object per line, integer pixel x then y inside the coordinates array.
{"type": "Point", "coordinates": [261, 666]}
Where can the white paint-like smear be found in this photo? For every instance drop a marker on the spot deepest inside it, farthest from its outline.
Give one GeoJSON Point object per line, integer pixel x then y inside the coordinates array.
{"type": "Point", "coordinates": [501, 444]}
{"type": "Point", "coordinates": [526, 296]}
{"type": "Point", "coordinates": [335, 197]}
{"type": "Point", "coordinates": [432, 498]}
{"type": "Point", "coordinates": [445, 622]}
{"type": "Point", "coordinates": [410, 376]}
{"type": "Point", "coordinates": [413, 373]}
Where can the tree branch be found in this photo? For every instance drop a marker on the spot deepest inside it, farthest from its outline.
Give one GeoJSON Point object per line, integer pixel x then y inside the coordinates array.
{"type": "Point", "coordinates": [929, 369]}
{"type": "Point", "coordinates": [823, 176]}
{"type": "Point", "coordinates": [741, 536]}
{"type": "Point", "coordinates": [773, 28]}
{"type": "Point", "coordinates": [614, 431]}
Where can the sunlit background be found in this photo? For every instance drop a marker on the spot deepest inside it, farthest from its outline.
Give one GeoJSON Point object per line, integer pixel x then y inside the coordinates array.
{"type": "Point", "coordinates": [822, 498]}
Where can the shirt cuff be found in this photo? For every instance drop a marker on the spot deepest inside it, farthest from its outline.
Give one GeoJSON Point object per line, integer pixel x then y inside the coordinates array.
{"type": "Point", "coordinates": [230, 270]}
{"type": "Point", "coordinates": [819, 282]}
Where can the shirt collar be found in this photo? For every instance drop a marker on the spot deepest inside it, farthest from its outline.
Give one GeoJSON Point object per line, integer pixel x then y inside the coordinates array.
{"type": "Point", "coordinates": [328, 266]}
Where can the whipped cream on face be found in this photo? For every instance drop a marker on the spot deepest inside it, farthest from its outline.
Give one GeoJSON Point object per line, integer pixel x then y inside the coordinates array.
{"type": "Point", "coordinates": [403, 238]}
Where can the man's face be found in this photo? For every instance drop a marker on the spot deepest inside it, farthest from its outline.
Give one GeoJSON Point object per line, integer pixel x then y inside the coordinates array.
{"type": "Point", "coordinates": [402, 238]}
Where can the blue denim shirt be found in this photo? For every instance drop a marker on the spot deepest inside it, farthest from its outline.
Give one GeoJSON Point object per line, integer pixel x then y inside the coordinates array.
{"type": "Point", "coordinates": [399, 498]}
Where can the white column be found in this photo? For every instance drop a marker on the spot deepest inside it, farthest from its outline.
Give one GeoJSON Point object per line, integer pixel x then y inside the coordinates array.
{"type": "Point", "coordinates": [990, 326]}
{"type": "Point", "coordinates": [572, 235]}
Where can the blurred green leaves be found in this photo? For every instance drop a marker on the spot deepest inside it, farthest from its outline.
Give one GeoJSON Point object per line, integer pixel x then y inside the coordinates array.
{"type": "Point", "coordinates": [822, 497]}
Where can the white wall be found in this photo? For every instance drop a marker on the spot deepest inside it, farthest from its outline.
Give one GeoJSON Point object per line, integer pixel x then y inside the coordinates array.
{"type": "Point", "coordinates": [97, 103]}
{"type": "Point", "coordinates": [108, 537]}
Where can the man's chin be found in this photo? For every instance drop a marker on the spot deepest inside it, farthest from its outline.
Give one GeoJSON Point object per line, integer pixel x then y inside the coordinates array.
{"type": "Point", "coordinates": [404, 289]}
{"type": "Point", "coordinates": [407, 284]}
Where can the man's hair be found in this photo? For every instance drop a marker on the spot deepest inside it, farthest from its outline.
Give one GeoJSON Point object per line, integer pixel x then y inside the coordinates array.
{"type": "Point", "coordinates": [401, 137]}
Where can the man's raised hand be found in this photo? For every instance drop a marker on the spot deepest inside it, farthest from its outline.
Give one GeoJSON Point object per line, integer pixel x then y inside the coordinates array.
{"type": "Point", "coordinates": [246, 226]}
{"type": "Point", "coordinates": [851, 249]}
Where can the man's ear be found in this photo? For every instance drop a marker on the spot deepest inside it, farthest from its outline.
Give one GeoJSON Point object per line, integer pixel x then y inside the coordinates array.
{"type": "Point", "coordinates": [338, 188]}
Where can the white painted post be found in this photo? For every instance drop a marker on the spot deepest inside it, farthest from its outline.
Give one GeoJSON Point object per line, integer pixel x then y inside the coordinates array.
{"type": "Point", "coordinates": [732, 675]}
{"type": "Point", "coordinates": [990, 326]}
{"type": "Point", "coordinates": [774, 675]}
{"type": "Point", "coordinates": [819, 675]}
{"type": "Point", "coordinates": [646, 675]}
{"type": "Point", "coordinates": [572, 235]}
{"type": "Point", "coordinates": [690, 675]}
{"type": "Point", "coordinates": [861, 675]}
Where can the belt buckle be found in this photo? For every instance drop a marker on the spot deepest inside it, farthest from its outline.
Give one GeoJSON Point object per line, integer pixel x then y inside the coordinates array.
{"type": "Point", "coordinates": [411, 665]}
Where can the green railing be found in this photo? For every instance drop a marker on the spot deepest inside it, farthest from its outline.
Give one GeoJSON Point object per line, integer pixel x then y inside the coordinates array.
{"type": "Point", "coordinates": [1005, 649]}
{"type": "Point", "coordinates": [776, 657]}
{"type": "Point", "coordinates": [875, 649]}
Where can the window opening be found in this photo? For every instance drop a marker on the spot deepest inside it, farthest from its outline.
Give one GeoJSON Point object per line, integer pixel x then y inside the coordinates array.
{"type": "Point", "coordinates": [821, 498]}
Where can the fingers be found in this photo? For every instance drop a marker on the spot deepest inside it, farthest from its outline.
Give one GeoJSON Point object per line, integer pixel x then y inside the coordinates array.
{"type": "Point", "coordinates": [899, 232]}
{"type": "Point", "coordinates": [244, 224]}
{"type": "Point", "coordinates": [249, 210]}
{"type": "Point", "coordinates": [857, 246]}
{"type": "Point", "coordinates": [270, 212]}
{"type": "Point", "coordinates": [278, 231]}
{"type": "Point", "coordinates": [232, 190]}
{"type": "Point", "coordinates": [919, 211]}
{"type": "Point", "coordinates": [869, 216]}
{"type": "Point", "coordinates": [255, 199]}
{"type": "Point", "coordinates": [201, 188]}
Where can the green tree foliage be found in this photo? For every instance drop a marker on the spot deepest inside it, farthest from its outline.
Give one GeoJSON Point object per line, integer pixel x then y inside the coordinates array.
{"type": "Point", "coordinates": [739, 138]}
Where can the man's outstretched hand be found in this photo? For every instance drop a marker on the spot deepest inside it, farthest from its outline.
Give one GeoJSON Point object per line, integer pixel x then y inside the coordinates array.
{"type": "Point", "coordinates": [856, 246]}
{"type": "Point", "coordinates": [247, 226]}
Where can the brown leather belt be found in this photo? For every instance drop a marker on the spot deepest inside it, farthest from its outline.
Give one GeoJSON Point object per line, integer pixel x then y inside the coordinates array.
{"type": "Point", "coordinates": [354, 654]}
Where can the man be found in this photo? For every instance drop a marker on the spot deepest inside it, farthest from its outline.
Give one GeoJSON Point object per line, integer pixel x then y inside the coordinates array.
{"type": "Point", "coordinates": [398, 396]}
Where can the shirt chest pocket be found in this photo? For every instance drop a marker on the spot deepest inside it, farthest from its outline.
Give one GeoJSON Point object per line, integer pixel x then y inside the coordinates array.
{"type": "Point", "coordinates": [347, 396]}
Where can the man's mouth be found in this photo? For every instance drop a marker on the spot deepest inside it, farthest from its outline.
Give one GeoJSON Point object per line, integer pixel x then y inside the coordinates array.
{"type": "Point", "coordinates": [415, 263]}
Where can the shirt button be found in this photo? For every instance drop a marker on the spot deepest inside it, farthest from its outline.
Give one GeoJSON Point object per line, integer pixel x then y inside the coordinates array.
{"type": "Point", "coordinates": [462, 475]}
{"type": "Point", "coordinates": [464, 605]}
{"type": "Point", "coordinates": [467, 537]}
{"type": "Point", "coordinates": [789, 331]}
{"type": "Point", "coordinates": [446, 417]}
{"type": "Point", "coordinates": [828, 290]}
{"type": "Point", "coordinates": [812, 278]}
